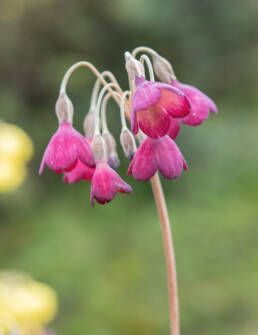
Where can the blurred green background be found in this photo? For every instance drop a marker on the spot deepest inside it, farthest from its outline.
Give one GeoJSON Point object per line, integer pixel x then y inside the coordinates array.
{"type": "Point", "coordinates": [106, 263]}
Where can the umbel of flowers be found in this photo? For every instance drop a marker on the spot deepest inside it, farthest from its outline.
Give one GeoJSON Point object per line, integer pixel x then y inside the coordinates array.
{"type": "Point", "coordinates": [156, 110]}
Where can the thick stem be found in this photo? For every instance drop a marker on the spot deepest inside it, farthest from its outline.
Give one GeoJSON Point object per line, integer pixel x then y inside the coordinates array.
{"type": "Point", "coordinates": [169, 253]}
{"type": "Point", "coordinates": [168, 247]}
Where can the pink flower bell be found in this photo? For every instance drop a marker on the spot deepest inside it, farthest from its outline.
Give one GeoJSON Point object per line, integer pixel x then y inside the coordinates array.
{"type": "Point", "coordinates": [106, 183]}
{"type": "Point", "coordinates": [65, 148]}
{"type": "Point", "coordinates": [153, 105]}
{"type": "Point", "coordinates": [79, 172]}
{"type": "Point", "coordinates": [157, 154]}
{"type": "Point", "coordinates": [201, 104]}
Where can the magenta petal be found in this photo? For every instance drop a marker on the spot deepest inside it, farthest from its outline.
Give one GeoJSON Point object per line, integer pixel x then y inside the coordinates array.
{"type": "Point", "coordinates": [169, 158]}
{"type": "Point", "coordinates": [174, 128]}
{"type": "Point", "coordinates": [213, 106]}
{"type": "Point", "coordinates": [154, 154]}
{"type": "Point", "coordinates": [65, 148]}
{"type": "Point", "coordinates": [146, 95]}
{"type": "Point", "coordinates": [134, 123]}
{"type": "Point", "coordinates": [84, 151]}
{"type": "Point", "coordinates": [143, 166]}
{"type": "Point", "coordinates": [201, 104]}
{"type": "Point", "coordinates": [80, 172]}
{"type": "Point", "coordinates": [174, 101]}
{"type": "Point", "coordinates": [152, 105]}
{"type": "Point", "coordinates": [106, 183]}
{"type": "Point", "coordinates": [153, 122]}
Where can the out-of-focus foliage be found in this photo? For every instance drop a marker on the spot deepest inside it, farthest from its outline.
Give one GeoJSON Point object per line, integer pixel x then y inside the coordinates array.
{"type": "Point", "coordinates": [107, 263]}
{"type": "Point", "coordinates": [26, 306]}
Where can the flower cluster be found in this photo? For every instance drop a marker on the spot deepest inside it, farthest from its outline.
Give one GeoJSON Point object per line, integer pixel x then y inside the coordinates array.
{"type": "Point", "coordinates": [156, 110]}
{"type": "Point", "coordinates": [26, 306]}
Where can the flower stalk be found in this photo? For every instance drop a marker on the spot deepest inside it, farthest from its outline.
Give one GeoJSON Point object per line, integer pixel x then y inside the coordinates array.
{"type": "Point", "coordinates": [155, 110]}
{"type": "Point", "coordinates": [169, 254]}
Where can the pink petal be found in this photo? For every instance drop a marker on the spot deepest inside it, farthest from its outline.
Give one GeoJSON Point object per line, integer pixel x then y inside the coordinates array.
{"type": "Point", "coordinates": [213, 106]}
{"type": "Point", "coordinates": [143, 166]}
{"type": "Point", "coordinates": [64, 148]}
{"type": "Point", "coordinates": [154, 154]}
{"type": "Point", "coordinates": [201, 104]}
{"type": "Point", "coordinates": [146, 95]}
{"type": "Point", "coordinates": [173, 101]}
{"type": "Point", "coordinates": [152, 103]}
{"type": "Point", "coordinates": [80, 172]}
{"type": "Point", "coordinates": [174, 128]}
{"type": "Point", "coordinates": [154, 122]}
{"type": "Point", "coordinates": [106, 183]}
{"type": "Point", "coordinates": [84, 151]}
{"type": "Point", "coordinates": [169, 158]}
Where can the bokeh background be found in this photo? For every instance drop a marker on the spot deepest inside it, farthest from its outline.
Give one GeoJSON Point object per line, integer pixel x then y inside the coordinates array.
{"type": "Point", "coordinates": [106, 263]}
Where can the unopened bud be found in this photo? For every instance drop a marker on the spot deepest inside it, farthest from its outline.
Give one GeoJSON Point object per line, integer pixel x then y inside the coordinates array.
{"type": "Point", "coordinates": [163, 69]}
{"type": "Point", "coordinates": [98, 147]}
{"type": "Point", "coordinates": [64, 108]}
{"type": "Point", "coordinates": [133, 66]}
{"type": "Point", "coordinates": [112, 155]}
{"type": "Point", "coordinates": [89, 124]}
{"type": "Point", "coordinates": [128, 143]}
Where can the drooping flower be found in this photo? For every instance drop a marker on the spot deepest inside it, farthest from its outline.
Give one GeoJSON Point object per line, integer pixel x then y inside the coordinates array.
{"type": "Point", "coordinates": [65, 148]}
{"type": "Point", "coordinates": [201, 104]}
{"type": "Point", "coordinates": [153, 105]}
{"type": "Point", "coordinates": [106, 183]}
{"type": "Point", "coordinates": [157, 154]}
{"type": "Point", "coordinates": [79, 172]}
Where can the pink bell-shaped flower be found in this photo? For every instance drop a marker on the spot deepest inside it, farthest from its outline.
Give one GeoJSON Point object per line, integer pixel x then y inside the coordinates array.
{"type": "Point", "coordinates": [79, 172]}
{"type": "Point", "coordinates": [65, 148]}
{"type": "Point", "coordinates": [106, 183]}
{"type": "Point", "coordinates": [153, 105]}
{"type": "Point", "coordinates": [201, 104]}
{"type": "Point", "coordinates": [157, 154]}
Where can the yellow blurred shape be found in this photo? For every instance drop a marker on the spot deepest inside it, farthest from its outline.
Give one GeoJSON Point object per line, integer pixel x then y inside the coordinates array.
{"type": "Point", "coordinates": [8, 326]}
{"type": "Point", "coordinates": [31, 304]}
{"type": "Point", "coordinates": [15, 144]}
{"type": "Point", "coordinates": [11, 175]}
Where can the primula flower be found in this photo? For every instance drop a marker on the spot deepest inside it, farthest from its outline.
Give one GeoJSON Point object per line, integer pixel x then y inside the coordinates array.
{"type": "Point", "coordinates": [65, 148]}
{"type": "Point", "coordinates": [106, 183]}
{"type": "Point", "coordinates": [201, 104]}
{"type": "Point", "coordinates": [79, 172]}
{"type": "Point", "coordinates": [157, 154]}
{"type": "Point", "coordinates": [153, 105]}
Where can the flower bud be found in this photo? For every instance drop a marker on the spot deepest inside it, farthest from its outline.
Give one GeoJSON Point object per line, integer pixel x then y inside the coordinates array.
{"type": "Point", "coordinates": [112, 155]}
{"type": "Point", "coordinates": [89, 124]}
{"type": "Point", "coordinates": [163, 69]}
{"type": "Point", "coordinates": [133, 66]}
{"type": "Point", "coordinates": [98, 147]}
{"type": "Point", "coordinates": [64, 108]}
{"type": "Point", "coordinates": [128, 143]}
